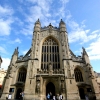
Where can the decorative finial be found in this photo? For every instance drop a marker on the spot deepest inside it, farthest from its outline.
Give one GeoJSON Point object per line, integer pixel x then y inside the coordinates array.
{"type": "Point", "coordinates": [38, 20]}
{"type": "Point", "coordinates": [50, 24]}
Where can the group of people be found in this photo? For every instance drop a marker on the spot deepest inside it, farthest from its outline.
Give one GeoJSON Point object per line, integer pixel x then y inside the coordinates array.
{"type": "Point", "coordinates": [52, 97]}
{"type": "Point", "coordinates": [21, 96]}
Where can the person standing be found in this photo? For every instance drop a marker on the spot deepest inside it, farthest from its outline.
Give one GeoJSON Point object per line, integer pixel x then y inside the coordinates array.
{"type": "Point", "coordinates": [86, 97]}
{"type": "Point", "coordinates": [22, 95]}
{"type": "Point", "coordinates": [57, 97]}
{"type": "Point", "coordinates": [54, 98]}
{"type": "Point", "coordinates": [48, 96]}
{"type": "Point", "coordinates": [51, 96]}
{"type": "Point", "coordinates": [61, 96]}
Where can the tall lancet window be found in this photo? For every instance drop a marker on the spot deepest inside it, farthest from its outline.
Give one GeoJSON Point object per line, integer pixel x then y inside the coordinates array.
{"type": "Point", "coordinates": [78, 75]}
{"type": "Point", "coordinates": [22, 75]}
{"type": "Point", "coordinates": [50, 54]}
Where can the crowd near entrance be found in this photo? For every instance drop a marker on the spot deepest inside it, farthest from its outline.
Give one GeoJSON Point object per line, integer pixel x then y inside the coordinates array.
{"type": "Point", "coordinates": [50, 88]}
{"type": "Point", "coordinates": [50, 92]}
{"type": "Point", "coordinates": [19, 90]}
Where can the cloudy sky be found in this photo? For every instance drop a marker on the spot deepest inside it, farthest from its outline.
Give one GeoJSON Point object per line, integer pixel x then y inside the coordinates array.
{"type": "Point", "coordinates": [82, 18]}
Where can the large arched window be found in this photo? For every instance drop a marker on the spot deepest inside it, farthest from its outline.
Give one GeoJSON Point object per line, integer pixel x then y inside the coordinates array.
{"type": "Point", "coordinates": [22, 75]}
{"type": "Point", "coordinates": [50, 54]}
{"type": "Point", "coordinates": [78, 75]}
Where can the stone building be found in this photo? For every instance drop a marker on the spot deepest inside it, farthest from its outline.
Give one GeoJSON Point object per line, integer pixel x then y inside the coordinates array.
{"type": "Point", "coordinates": [2, 75]}
{"type": "Point", "coordinates": [50, 66]}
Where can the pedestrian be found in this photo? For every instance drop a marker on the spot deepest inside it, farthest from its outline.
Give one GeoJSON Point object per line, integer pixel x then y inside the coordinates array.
{"type": "Point", "coordinates": [61, 96]}
{"type": "Point", "coordinates": [48, 96]}
{"type": "Point", "coordinates": [51, 96]}
{"type": "Point", "coordinates": [86, 97]}
{"type": "Point", "coordinates": [54, 98]}
{"type": "Point", "coordinates": [57, 97]}
{"type": "Point", "coordinates": [22, 95]}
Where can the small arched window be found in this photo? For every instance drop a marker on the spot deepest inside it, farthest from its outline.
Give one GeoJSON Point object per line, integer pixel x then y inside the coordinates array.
{"type": "Point", "coordinates": [78, 75]}
{"type": "Point", "coordinates": [22, 75]}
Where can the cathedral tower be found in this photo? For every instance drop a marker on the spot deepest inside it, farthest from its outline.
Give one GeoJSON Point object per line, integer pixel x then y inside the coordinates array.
{"type": "Point", "coordinates": [50, 66]}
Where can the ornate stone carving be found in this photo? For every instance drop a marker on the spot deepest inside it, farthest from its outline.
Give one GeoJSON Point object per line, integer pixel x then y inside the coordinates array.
{"type": "Point", "coordinates": [38, 85]}
{"type": "Point", "coordinates": [50, 28]}
{"type": "Point", "coordinates": [31, 70]}
{"type": "Point", "coordinates": [50, 69]}
{"type": "Point", "coordinates": [50, 66]}
{"type": "Point", "coordinates": [69, 73]}
{"type": "Point", "coordinates": [62, 78]}
{"type": "Point", "coordinates": [38, 79]}
{"type": "Point", "coordinates": [62, 84]}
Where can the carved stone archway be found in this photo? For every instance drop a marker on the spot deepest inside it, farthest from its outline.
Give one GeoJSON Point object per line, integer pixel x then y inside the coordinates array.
{"type": "Point", "coordinates": [19, 90]}
{"type": "Point", "coordinates": [50, 88]}
{"type": "Point", "coordinates": [81, 92]}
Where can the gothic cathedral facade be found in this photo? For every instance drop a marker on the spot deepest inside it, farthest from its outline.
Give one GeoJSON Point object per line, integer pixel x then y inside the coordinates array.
{"type": "Point", "coordinates": [50, 66]}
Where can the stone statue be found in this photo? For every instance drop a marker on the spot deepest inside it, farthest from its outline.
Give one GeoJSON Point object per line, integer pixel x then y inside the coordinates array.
{"type": "Point", "coordinates": [50, 67]}
{"type": "Point", "coordinates": [38, 86]}
{"type": "Point", "coordinates": [62, 86]}
{"type": "Point", "coordinates": [50, 28]}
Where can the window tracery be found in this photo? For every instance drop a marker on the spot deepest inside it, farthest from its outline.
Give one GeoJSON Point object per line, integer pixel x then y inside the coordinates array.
{"type": "Point", "coordinates": [22, 75]}
{"type": "Point", "coordinates": [78, 75]}
{"type": "Point", "coordinates": [50, 54]}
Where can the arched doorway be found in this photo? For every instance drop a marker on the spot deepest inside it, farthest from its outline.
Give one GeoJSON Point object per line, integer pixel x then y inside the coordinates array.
{"type": "Point", "coordinates": [19, 90]}
{"type": "Point", "coordinates": [81, 92]}
{"type": "Point", "coordinates": [50, 88]}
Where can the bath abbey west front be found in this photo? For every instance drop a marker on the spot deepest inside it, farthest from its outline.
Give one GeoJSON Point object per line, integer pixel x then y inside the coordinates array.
{"type": "Point", "coordinates": [50, 66]}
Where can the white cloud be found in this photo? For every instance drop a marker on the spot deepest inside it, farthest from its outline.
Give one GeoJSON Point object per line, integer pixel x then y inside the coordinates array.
{"type": "Point", "coordinates": [43, 4]}
{"type": "Point", "coordinates": [64, 1]}
{"type": "Point", "coordinates": [79, 33]}
{"type": "Point", "coordinates": [21, 1]}
{"type": "Point", "coordinates": [44, 10]}
{"type": "Point", "coordinates": [5, 63]}
{"type": "Point", "coordinates": [5, 27]}
{"type": "Point", "coordinates": [41, 10]}
{"type": "Point", "coordinates": [6, 11]}
{"type": "Point", "coordinates": [94, 50]}
{"type": "Point", "coordinates": [17, 40]}
{"type": "Point", "coordinates": [5, 20]}
{"type": "Point", "coordinates": [62, 10]}
{"type": "Point", "coordinates": [2, 50]}
{"type": "Point", "coordinates": [24, 52]}
{"type": "Point", "coordinates": [28, 30]}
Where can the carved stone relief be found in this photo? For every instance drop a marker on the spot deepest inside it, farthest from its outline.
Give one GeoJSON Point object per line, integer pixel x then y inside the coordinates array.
{"type": "Point", "coordinates": [62, 85]}
{"type": "Point", "coordinates": [50, 28]}
{"type": "Point", "coordinates": [50, 69]}
{"type": "Point", "coordinates": [38, 85]}
{"type": "Point", "coordinates": [31, 70]}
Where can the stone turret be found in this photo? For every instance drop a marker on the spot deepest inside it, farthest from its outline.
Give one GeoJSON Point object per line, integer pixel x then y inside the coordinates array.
{"type": "Point", "coordinates": [37, 26]}
{"type": "Point", "coordinates": [14, 56]}
{"type": "Point", "coordinates": [85, 56]}
{"type": "Point", "coordinates": [62, 26]}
